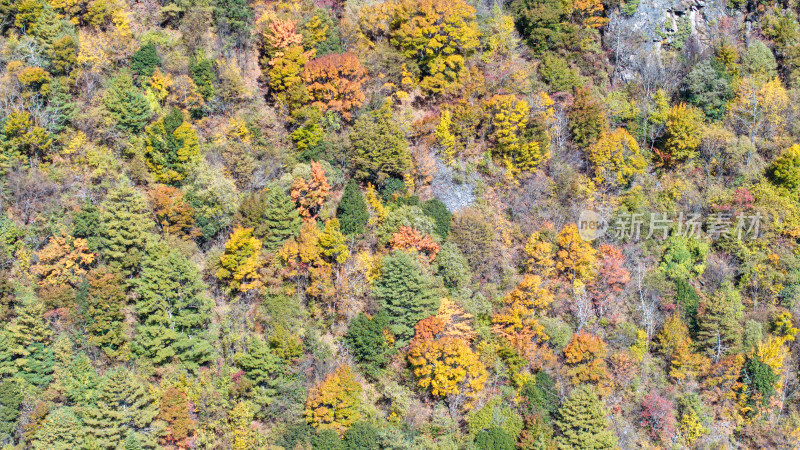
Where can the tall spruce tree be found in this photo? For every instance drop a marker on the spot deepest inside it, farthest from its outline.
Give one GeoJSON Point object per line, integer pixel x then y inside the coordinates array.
{"type": "Point", "coordinates": [61, 430]}
{"type": "Point", "coordinates": [173, 310]}
{"type": "Point", "coordinates": [29, 337]}
{"type": "Point", "coordinates": [366, 340]}
{"type": "Point", "coordinates": [407, 292]}
{"type": "Point", "coordinates": [583, 422]}
{"type": "Point", "coordinates": [144, 61]}
{"type": "Point", "coordinates": [11, 396]}
{"type": "Point", "coordinates": [124, 406]}
{"type": "Point", "coordinates": [272, 215]}
{"type": "Point", "coordinates": [127, 105]}
{"type": "Point", "coordinates": [263, 367]}
{"type": "Point", "coordinates": [380, 149]}
{"type": "Point", "coordinates": [125, 226]}
{"type": "Point", "coordinates": [352, 210]}
{"type": "Point", "coordinates": [436, 210]}
{"type": "Point", "coordinates": [719, 322]}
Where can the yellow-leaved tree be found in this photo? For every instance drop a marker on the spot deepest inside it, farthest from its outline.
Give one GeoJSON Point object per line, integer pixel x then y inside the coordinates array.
{"type": "Point", "coordinates": [334, 402]}
{"type": "Point", "coordinates": [615, 159]}
{"type": "Point", "coordinates": [576, 259]}
{"type": "Point", "coordinates": [676, 345]}
{"type": "Point", "coordinates": [509, 117]}
{"type": "Point", "coordinates": [445, 363]}
{"type": "Point", "coordinates": [239, 264]}
{"type": "Point", "coordinates": [436, 34]}
{"type": "Point", "coordinates": [63, 261]}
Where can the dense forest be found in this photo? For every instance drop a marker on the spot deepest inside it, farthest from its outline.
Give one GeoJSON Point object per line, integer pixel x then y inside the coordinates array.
{"type": "Point", "coordinates": [399, 224]}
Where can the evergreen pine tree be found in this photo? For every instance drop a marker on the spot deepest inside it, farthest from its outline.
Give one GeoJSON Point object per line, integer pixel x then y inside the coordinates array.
{"type": "Point", "coordinates": [29, 336]}
{"type": "Point", "coordinates": [11, 395]}
{"type": "Point", "coordinates": [785, 169]}
{"type": "Point", "coordinates": [127, 105]}
{"type": "Point", "coordinates": [583, 423]}
{"type": "Point", "coordinates": [234, 20]}
{"type": "Point", "coordinates": [380, 147]}
{"type": "Point", "coordinates": [407, 293]}
{"type": "Point", "coordinates": [62, 430]}
{"type": "Point", "coordinates": [362, 436]}
{"type": "Point", "coordinates": [719, 322]}
{"type": "Point", "coordinates": [125, 225]}
{"type": "Point", "coordinates": [436, 210]}
{"type": "Point", "coordinates": [79, 381]}
{"type": "Point", "coordinates": [173, 310]}
{"type": "Point", "coordinates": [272, 215]}
{"type": "Point", "coordinates": [124, 406]}
{"type": "Point", "coordinates": [144, 61]}
{"type": "Point", "coordinates": [263, 367]}
{"type": "Point", "coordinates": [367, 342]}
{"type": "Point", "coordinates": [327, 439]}
{"type": "Point", "coordinates": [60, 107]}
{"type": "Point", "coordinates": [686, 296]}
{"type": "Point", "coordinates": [204, 76]}
{"type": "Point", "coordinates": [352, 210]}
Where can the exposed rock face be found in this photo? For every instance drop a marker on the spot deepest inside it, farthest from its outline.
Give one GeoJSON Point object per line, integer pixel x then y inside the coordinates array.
{"type": "Point", "coordinates": [671, 21]}
{"type": "Point", "coordinates": [453, 194]}
{"type": "Point", "coordinates": [636, 40]}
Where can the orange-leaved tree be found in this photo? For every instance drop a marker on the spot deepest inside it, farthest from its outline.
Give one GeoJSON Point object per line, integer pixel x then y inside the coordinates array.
{"type": "Point", "coordinates": [585, 355]}
{"type": "Point", "coordinates": [310, 194]}
{"type": "Point", "coordinates": [334, 82]}
{"type": "Point", "coordinates": [410, 238]}
{"type": "Point", "coordinates": [173, 214]}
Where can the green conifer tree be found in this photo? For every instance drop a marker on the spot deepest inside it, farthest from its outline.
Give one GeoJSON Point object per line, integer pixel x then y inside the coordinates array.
{"type": "Point", "coordinates": [125, 226]}
{"type": "Point", "coordinates": [60, 107]}
{"type": "Point", "coordinates": [127, 105]}
{"type": "Point", "coordinates": [204, 76]}
{"type": "Point", "coordinates": [11, 396]}
{"type": "Point", "coordinates": [173, 310]}
{"type": "Point", "coordinates": [352, 210]}
{"type": "Point", "coordinates": [124, 406]}
{"type": "Point", "coordinates": [436, 210]}
{"type": "Point", "coordinates": [380, 149]}
{"type": "Point", "coordinates": [407, 293]}
{"type": "Point", "coordinates": [272, 215]}
{"type": "Point", "coordinates": [62, 430]}
{"type": "Point", "coordinates": [367, 341]}
{"type": "Point", "coordinates": [102, 299]}
{"type": "Point", "coordinates": [29, 337]}
{"type": "Point", "coordinates": [719, 322]}
{"type": "Point", "coordinates": [263, 367]}
{"type": "Point", "coordinates": [785, 170]}
{"type": "Point", "coordinates": [144, 61]}
{"type": "Point", "coordinates": [79, 381]}
{"type": "Point", "coordinates": [583, 422]}
{"type": "Point", "coordinates": [172, 148]}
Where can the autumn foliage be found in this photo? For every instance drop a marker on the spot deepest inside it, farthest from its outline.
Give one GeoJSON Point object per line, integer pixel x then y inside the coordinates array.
{"type": "Point", "coordinates": [310, 194]}
{"type": "Point", "coordinates": [410, 238]}
{"type": "Point", "coordinates": [334, 402]}
{"type": "Point", "coordinates": [334, 82]}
